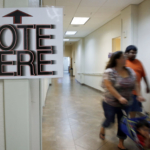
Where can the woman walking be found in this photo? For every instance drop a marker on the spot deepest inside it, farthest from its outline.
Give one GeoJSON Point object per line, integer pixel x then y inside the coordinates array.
{"type": "Point", "coordinates": [119, 82]}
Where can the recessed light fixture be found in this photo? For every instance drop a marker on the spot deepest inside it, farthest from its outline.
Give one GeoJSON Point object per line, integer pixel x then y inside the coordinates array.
{"type": "Point", "coordinates": [71, 32]}
{"type": "Point", "coordinates": [66, 39]}
{"type": "Point", "coordinates": [79, 20]}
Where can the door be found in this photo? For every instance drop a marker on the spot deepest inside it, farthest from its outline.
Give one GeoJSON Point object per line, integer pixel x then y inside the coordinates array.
{"type": "Point", "coordinates": [116, 44]}
{"type": "Point", "coordinates": [66, 63]}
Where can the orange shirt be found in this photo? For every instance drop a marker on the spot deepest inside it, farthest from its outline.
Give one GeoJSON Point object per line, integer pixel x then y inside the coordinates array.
{"type": "Point", "coordinates": [137, 66]}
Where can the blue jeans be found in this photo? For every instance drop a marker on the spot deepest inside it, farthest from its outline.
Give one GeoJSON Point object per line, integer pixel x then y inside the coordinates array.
{"type": "Point", "coordinates": [136, 106]}
{"type": "Point", "coordinates": [110, 112]}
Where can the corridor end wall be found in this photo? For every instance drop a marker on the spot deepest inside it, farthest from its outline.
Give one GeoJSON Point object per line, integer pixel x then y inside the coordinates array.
{"type": "Point", "coordinates": [67, 51]}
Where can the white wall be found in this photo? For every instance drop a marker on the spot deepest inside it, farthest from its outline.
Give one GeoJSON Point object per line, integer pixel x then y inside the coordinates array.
{"type": "Point", "coordinates": [17, 114]}
{"type": "Point", "coordinates": [44, 83]}
{"type": "Point", "coordinates": [144, 43]}
{"type": "Point", "coordinates": [1, 3]}
{"type": "Point", "coordinates": [35, 118]}
{"type": "Point", "coordinates": [16, 3]}
{"type": "Point", "coordinates": [93, 52]}
{"type": "Point", "coordinates": [74, 48]}
{"type": "Point", "coordinates": [2, 140]}
{"type": "Point", "coordinates": [78, 60]}
{"type": "Point", "coordinates": [129, 26]}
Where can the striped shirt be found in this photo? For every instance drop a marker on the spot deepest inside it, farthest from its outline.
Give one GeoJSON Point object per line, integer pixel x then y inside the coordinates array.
{"type": "Point", "coordinates": [124, 86]}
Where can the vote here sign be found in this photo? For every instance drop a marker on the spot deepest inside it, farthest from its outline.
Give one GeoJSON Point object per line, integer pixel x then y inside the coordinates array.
{"type": "Point", "coordinates": [31, 43]}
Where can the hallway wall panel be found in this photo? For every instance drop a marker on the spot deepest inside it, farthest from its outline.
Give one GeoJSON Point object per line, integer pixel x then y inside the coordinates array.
{"type": "Point", "coordinates": [78, 60]}
{"type": "Point", "coordinates": [2, 133]}
{"type": "Point", "coordinates": [44, 83]}
{"type": "Point", "coordinates": [92, 53]}
{"type": "Point", "coordinates": [15, 3]}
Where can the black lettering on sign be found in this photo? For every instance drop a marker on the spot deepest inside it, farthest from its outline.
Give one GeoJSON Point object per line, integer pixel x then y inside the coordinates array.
{"type": "Point", "coordinates": [26, 34]}
{"type": "Point", "coordinates": [4, 63]}
{"type": "Point", "coordinates": [40, 36]}
{"type": "Point", "coordinates": [21, 62]}
{"type": "Point", "coordinates": [41, 63]}
{"type": "Point", "coordinates": [14, 39]}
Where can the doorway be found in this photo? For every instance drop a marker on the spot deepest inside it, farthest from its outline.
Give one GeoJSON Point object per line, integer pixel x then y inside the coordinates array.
{"type": "Point", "coordinates": [66, 64]}
{"type": "Point", "coordinates": [116, 44]}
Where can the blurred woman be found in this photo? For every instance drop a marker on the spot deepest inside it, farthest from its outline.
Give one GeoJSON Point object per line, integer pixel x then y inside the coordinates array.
{"type": "Point", "coordinates": [118, 82]}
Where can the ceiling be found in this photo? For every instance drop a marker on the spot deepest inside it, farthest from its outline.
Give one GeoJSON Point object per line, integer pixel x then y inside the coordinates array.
{"type": "Point", "coordinates": [71, 40]}
{"type": "Point", "coordinates": [99, 11]}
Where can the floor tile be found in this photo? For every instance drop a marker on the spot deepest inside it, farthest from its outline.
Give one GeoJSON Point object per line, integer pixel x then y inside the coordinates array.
{"type": "Point", "coordinates": [72, 117]}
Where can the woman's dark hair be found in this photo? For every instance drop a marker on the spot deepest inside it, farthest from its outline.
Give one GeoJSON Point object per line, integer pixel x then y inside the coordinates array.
{"type": "Point", "coordinates": [112, 61]}
{"type": "Point", "coordinates": [142, 123]}
{"type": "Point", "coordinates": [131, 47]}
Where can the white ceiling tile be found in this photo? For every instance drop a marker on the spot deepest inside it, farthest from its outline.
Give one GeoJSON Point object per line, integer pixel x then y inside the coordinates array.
{"type": "Point", "coordinates": [67, 22]}
{"type": "Point", "coordinates": [74, 28]}
{"type": "Point", "coordinates": [82, 9]}
{"type": "Point", "coordinates": [68, 36]}
{"type": "Point", "coordinates": [67, 19]}
{"type": "Point", "coordinates": [91, 27]}
{"type": "Point", "coordinates": [65, 27]}
{"type": "Point", "coordinates": [48, 3]}
{"type": "Point", "coordinates": [83, 33]}
{"type": "Point", "coordinates": [104, 14]}
{"type": "Point", "coordinates": [99, 11]}
{"type": "Point", "coordinates": [74, 40]}
{"type": "Point", "coordinates": [69, 10]}
{"type": "Point", "coordinates": [92, 3]}
{"type": "Point", "coordinates": [67, 2]}
{"type": "Point", "coordinates": [77, 14]}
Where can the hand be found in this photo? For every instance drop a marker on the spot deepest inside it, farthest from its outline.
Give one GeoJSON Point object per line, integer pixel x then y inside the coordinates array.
{"type": "Point", "coordinates": [140, 99]}
{"type": "Point", "coordinates": [147, 90]}
{"type": "Point", "coordinates": [122, 100]}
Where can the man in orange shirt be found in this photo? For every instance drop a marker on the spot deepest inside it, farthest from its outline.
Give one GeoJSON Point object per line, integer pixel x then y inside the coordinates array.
{"type": "Point", "coordinates": [136, 65]}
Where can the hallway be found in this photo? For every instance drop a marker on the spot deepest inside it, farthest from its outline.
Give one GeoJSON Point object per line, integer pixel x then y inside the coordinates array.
{"type": "Point", "coordinates": [72, 118]}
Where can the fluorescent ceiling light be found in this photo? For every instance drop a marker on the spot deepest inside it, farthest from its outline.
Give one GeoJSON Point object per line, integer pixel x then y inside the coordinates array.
{"type": "Point", "coordinates": [66, 39]}
{"type": "Point", "coordinates": [71, 32]}
{"type": "Point", "coordinates": [79, 20]}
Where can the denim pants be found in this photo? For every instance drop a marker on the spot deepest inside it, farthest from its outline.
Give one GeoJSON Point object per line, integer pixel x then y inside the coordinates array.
{"type": "Point", "coordinates": [136, 105]}
{"type": "Point", "coordinates": [110, 112]}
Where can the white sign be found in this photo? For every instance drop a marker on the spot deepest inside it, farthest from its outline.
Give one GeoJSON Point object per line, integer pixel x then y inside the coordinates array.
{"type": "Point", "coordinates": [31, 43]}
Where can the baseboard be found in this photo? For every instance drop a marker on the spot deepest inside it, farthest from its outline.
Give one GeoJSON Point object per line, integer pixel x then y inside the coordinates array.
{"type": "Point", "coordinates": [89, 86]}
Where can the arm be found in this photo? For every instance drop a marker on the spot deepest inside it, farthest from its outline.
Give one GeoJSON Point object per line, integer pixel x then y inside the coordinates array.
{"type": "Point", "coordinates": [138, 91]}
{"type": "Point", "coordinates": [137, 88]}
{"type": "Point", "coordinates": [146, 82]}
{"type": "Point", "coordinates": [145, 79]}
{"type": "Point", "coordinates": [112, 90]}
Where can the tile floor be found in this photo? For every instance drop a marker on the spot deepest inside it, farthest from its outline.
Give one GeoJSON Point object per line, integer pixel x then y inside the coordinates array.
{"type": "Point", "coordinates": [72, 118]}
